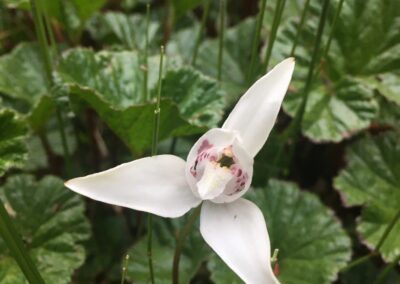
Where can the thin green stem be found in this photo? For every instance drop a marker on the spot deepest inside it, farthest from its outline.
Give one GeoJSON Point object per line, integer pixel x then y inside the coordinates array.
{"type": "Point", "coordinates": [381, 241]}
{"type": "Point", "coordinates": [328, 44]}
{"type": "Point", "coordinates": [222, 10]}
{"type": "Point", "coordinates": [180, 242]}
{"type": "Point", "coordinates": [157, 109]}
{"type": "Point", "coordinates": [388, 230]}
{"type": "Point", "coordinates": [256, 40]}
{"type": "Point", "coordinates": [382, 276]}
{"type": "Point", "coordinates": [124, 268]}
{"type": "Point", "coordinates": [146, 53]}
{"type": "Point", "coordinates": [280, 5]}
{"type": "Point", "coordinates": [50, 33]}
{"type": "Point", "coordinates": [293, 130]}
{"type": "Point", "coordinates": [310, 75]}
{"type": "Point", "coordinates": [40, 32]}
{"type": "Point", "coordinates": [300, 27]}
{"type": "Point", "coordinates": [17, 249]}
{"type": "Point", "coordinates": [48, 64]}
{"type": "Point", "coordinates": [206, 8]}
{"type": "Point", "coordinates": [154, 148]}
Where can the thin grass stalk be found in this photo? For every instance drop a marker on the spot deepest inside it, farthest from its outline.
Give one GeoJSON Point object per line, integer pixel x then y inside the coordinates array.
{"type": "Point", "coordinates": [154, 148]}
{"type": "Point", "coordinates": [280, 5]}
{"type": "Point", "coordinates": [336, 17]}
{"type": "Point", "coordinates": [294, 129]}
{"type": "Point", "coordinates": [146, 54]}
{"type": "Point", "coordinates": [17, 249]}
{"type": "Point", "coordinates": [222, 10]}
{"type": "Point", "coordinates": [256, 40]}
{"type": "Point", "coordinates": [300, 27]}
{"type": "Point", "coordinates": [180, 242]}
{"type": "Point", "coordinates": [206, 8]}
{"type": "Point", "coordinates": [48, 64]}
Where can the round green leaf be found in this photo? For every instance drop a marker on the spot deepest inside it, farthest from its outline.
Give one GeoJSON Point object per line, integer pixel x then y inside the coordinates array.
{"type": "Point", "coordinates": [51, 222]}
{"type": "Point", "coordinates": [372, 179]}
{"type": "Point", "coordinates": [312, 245]}
{"type": "Point", "coordinates": [12, 135]}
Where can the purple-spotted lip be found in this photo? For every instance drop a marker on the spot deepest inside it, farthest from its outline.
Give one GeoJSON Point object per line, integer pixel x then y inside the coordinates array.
{"type": "Point", "coordinates": [223, 157]}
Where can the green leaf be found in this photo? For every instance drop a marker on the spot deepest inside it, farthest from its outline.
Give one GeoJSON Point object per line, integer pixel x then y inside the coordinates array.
{"type": "Point", "coordinates": [367, 273]}
{"type": "Point", "coordinates": [51, 221]}
{"type": "Point", "coordinates": [372, 179]}
{"type": "Point", "coordinates": [195, 251]}
{"type": "Point", "coordinates": [182, 6]}
{"type": "Point", "coordinates": [312, 245]}
{"type": "Point", "coordinates": [116, 27]}
{"type": "Point", "coordinates": [12, 146]}
{"type": "Point", "coordinates": [367, 57]}
{"type": "Point", "coordinates": [335, 111]}
{"type": "Point", "coordinates": [236, 57]}
{"type": "Point", "coordinates": [23, 82]}
{"type": "Point", "coordinates": [112, 82]}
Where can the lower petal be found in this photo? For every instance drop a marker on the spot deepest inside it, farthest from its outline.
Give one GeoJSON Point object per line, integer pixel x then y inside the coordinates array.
{"type": "Point", "coordinates": [238, 234]}
{"type": "Point", "coordinates": [155, 184]}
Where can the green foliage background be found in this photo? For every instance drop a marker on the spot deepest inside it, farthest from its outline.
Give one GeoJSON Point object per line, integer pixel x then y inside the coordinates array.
{"type": "Point", "coordinates": [328, 199]}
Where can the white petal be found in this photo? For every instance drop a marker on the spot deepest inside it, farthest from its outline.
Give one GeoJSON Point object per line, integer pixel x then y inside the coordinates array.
{"type": "Point", "coordinates": [155, 184]}
{"type": "Point", "coordinates": [238, 234]}
{"type": "Point", "coordinates": [255, 113]}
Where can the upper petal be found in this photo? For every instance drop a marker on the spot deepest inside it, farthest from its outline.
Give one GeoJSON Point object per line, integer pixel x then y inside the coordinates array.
{"type": "Point", "coordinates": [255, 113]}
{"type": "Point", "coordinates": [238, 234]}
{"type": "Point", "coordinates": [154, 184]}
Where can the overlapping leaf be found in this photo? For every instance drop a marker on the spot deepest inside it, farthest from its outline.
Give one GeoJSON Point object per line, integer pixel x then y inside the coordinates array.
{"type": "Point", "coordinates": [359, 55]}
{"type": "Point", "coordinates": [312, 245]}
{"type": "Point", "coordinates": [51, 221]}
{"type": "Point", "coordinates": [12, 145]}
{"type": "Point", "coordinates": [112, 84]}
{"type": "Point", "coordinates": [372, 179]}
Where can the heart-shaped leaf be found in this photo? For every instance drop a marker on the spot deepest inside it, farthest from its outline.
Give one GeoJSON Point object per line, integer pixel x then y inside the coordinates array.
{"type": "Point", "coordinates": [372, 179]}
{"type": "Point", "coordinates": [51, 221]}
{"type": "Point", "coordinates": [312, 245]}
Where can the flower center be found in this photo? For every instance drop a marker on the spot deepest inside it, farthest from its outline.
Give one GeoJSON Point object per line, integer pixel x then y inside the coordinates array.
{"type": "Point", "coordinates": [217, 172]}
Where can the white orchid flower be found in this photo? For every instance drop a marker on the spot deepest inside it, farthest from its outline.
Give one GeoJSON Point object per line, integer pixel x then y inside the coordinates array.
{"type": "Point", "coordinates": [218, 171]}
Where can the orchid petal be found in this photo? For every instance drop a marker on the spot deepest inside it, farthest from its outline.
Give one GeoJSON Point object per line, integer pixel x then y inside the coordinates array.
{"type": "Point", "coordinates": [255, 113]}
{"type": "Point", "coordinates": [155, 184]}
{"type": "Point", "coordinates": [238, 234]}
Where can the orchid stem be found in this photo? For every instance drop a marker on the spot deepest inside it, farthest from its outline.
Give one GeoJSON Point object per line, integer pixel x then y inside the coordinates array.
{"type": "Point", "coordinates": [17, 249]}
{"type": "Point", "coordinates": [154, 147]}
{"type": "Point", "coordinates": [146, 52]}
{"type": "Point", "coordinates": [180, 242]}
{"type": "Point", "coordinates": [256, 40]}
{"type": "Point", "coordinates": [328, 44]}
{"type": "Point", "coordinates": [206, 8]}
{"type": "Point", "coordinates": [381, 241]}
{"type": "Point", "coordinates": [222, 9]}
{"type": "Point", "coordinates": [48, 64]}
{"type": "Point", "coordinates": [124, 268]}
{"type": "Point", "coordinates": [300, 28]}
{"type": "Point", "coordinates": [280, 5]}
